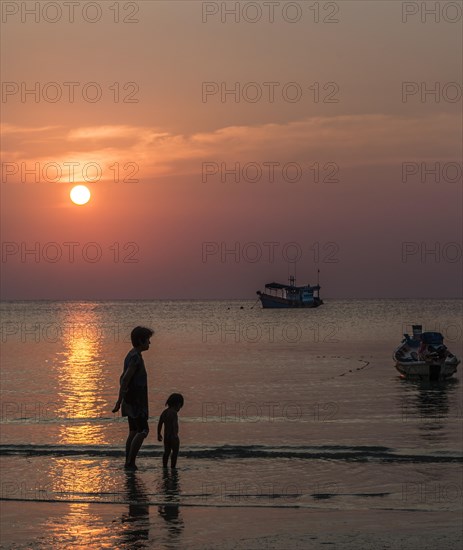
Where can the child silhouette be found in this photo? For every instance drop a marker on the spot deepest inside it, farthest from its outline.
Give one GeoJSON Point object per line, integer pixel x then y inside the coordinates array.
{"type": "Point", "coordinates": [169, 419]}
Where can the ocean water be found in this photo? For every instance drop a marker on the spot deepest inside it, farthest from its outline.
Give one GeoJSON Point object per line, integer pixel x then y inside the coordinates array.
{"type": "Point", "coordinates": [285, 410]}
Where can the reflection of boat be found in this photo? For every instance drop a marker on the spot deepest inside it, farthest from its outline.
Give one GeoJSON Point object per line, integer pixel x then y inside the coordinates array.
{"type": "Point", "coordinates": [425, 356]}
{"type": "Point", "coordinates": [290, 295]}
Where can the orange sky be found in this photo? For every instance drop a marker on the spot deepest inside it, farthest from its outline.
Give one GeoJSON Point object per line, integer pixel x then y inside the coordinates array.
{"type": "Point", "coordinates": [373, 228]}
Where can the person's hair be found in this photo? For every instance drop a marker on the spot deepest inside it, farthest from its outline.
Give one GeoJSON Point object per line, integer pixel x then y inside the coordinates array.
{"type": "Point", "coordinates": [139, 335]}
{"type": "Point", "coordinates": [175, 399]}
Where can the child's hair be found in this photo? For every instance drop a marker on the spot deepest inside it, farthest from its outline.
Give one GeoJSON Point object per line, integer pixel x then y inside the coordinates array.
{"type": "Point", "coordinates": [175, 399]}
{"type": "Point", "coordinates": [140, 334]}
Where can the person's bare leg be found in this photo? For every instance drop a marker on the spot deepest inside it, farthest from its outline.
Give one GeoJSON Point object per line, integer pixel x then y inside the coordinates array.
{"type": "Point", "coordinates": [137, 442]}
{"type": "Point", "coordinates": [175, 448]}
{"type": "Point", "coordinates": [165, 456]}
{"type": "Point", "coordinates": [128, 444]}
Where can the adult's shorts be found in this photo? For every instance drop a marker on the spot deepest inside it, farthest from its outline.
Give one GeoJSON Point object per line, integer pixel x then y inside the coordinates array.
{"type": "Point", "coordinates": [138, 424]}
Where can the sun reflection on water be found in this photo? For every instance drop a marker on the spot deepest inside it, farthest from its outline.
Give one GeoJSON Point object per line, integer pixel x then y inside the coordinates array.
{"type": "Point", "coordinates": [80, 372]}
{"type": "Point", "coordinates": [80, 375]}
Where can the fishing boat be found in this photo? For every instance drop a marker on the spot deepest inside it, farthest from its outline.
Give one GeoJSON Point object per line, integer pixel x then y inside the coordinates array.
{"type": "Point", "coordinates": [424, 356]}
{"type": "Point", "coordinates": [290, 296]}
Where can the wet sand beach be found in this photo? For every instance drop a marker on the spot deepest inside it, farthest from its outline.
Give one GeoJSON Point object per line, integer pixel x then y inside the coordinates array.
{"type": "Point", "coordinates": [63, 525]}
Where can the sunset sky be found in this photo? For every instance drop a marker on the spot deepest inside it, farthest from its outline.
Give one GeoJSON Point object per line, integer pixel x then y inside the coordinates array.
{"type": "Point", "coordinates": [348, 99]}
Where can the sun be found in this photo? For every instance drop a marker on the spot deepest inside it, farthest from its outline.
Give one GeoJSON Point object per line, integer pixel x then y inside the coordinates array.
{"type": "Point", "coordinates": [80, 194]}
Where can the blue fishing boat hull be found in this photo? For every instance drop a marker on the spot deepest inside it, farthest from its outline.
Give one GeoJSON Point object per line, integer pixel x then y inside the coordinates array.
{"type": "Point", "coordinates": [269, 301]}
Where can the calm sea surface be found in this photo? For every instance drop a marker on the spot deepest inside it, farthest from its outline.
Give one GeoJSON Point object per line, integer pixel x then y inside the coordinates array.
{"type": "Point", "coordinates": [294, 409]}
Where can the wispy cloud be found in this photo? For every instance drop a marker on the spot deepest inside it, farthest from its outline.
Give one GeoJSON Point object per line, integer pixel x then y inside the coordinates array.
{"type": "Point", "coordinates": [364, 140]}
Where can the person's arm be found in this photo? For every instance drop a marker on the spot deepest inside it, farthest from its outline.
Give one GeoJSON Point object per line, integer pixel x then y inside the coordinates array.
{"type": "Point", "coordinates": [160, 423]}
{"type": "Point", "coordinates": [175, 426]}
{"type": "Point", "coordinates": [125, 384]}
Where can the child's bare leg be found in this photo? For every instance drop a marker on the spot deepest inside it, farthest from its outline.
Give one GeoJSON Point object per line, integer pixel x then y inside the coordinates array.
{"type": "Point", "coordinates": [175, 449]}
{"type": "Point", "coordinates": [165, 456]}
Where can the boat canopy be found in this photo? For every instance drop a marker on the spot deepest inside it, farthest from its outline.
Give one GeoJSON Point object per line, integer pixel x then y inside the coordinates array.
{"type": "Point", "coordinates": [279, 286]}
{"type": "Point", "coordinates": [433, 338]}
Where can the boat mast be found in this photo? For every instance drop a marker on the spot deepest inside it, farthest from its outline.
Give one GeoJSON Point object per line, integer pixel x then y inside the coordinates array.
{"type": "Point", "coordinates": [292, 278]}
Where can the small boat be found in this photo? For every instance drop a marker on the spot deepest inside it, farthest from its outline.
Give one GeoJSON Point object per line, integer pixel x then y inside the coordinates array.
{"type": "Point", "coordinates": [290, 296]}
{"type": "Point", "coordinates": [424, 356]}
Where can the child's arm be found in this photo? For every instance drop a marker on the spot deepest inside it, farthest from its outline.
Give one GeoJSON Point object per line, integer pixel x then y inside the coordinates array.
{"type": "Point", "coordinates": [160, 423]}
{"type": "Point", "coordinates": [176, 425]}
